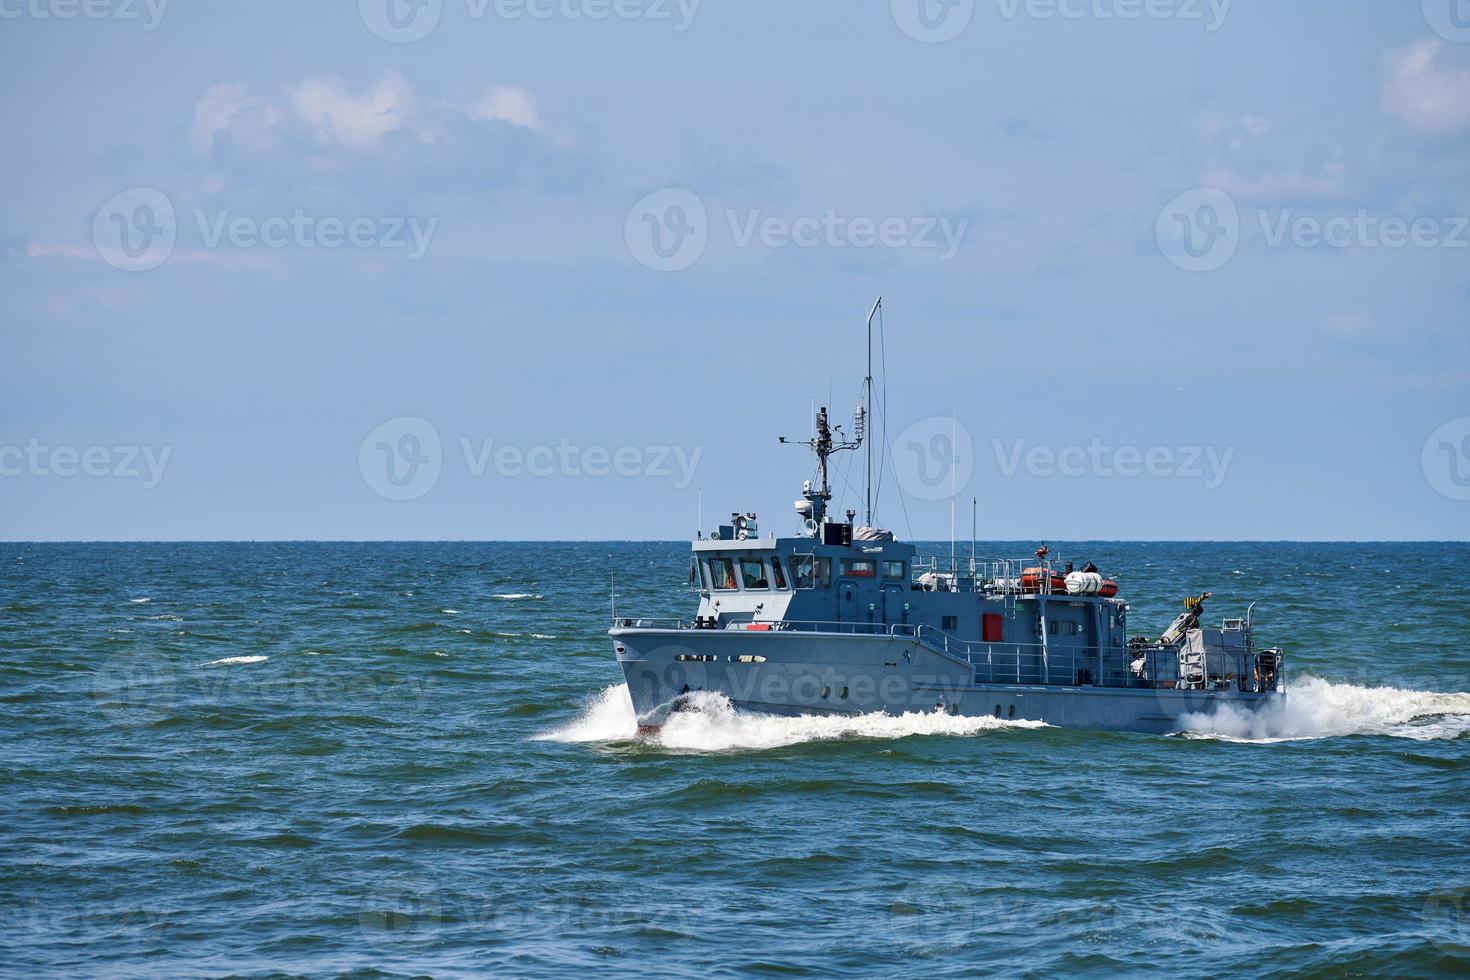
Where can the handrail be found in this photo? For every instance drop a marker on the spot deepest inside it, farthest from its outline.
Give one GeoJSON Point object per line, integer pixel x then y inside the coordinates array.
{"type": "Point", "coordinates": [994, 576]}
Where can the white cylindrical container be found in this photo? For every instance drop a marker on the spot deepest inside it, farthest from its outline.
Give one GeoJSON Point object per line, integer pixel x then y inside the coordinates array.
{"type": "Point", "coordinates": [1084, 583]}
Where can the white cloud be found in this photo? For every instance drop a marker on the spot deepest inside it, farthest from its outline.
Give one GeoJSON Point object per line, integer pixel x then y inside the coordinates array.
{"type": "Point", "coordinates": [1424, 90]}
{"type": "Point", "coordinates": [355, 120]}
{"type": "Point", "coordinates": [231, 109]}
{"type": "Point", "coordinates": [507, 104]}
{"type": "Point", "coordinates": [1246, 157]}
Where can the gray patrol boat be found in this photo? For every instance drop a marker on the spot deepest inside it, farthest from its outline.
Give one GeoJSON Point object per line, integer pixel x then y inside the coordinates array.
{"type": "Point", "coordinates": [843, 619]}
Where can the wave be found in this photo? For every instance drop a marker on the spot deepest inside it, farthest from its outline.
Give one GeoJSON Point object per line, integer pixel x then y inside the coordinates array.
{"type": "Point", "coordinates": [518, 595]}
{"type": "Point", "coordinates": [1315, 708]}
{"type": "Point", "coordinates": [235, 660]}
{"type": "Point", "coordinates": [139, 602]}
{"type": "Point", "coordinates": [712, 724]}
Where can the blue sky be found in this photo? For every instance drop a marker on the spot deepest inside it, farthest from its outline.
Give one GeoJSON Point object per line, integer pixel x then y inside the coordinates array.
{"type": "Point", "coordinates": [1170, 269]}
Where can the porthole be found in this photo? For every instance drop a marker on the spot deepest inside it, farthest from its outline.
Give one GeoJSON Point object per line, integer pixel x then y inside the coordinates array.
{"type": "Point", "coordinates": [954, 709]}
{"type": "Point", "coordinates": [1012, 712]}
{"type": "Point", "coordinates": [842, 694]}
{"type": "Point", "coordinates": [826, 691]}
{"type": "Point", "coordinates": [997, 711]}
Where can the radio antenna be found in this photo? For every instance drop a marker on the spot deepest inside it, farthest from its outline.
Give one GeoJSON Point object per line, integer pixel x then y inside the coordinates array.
{"type": "Point", "coordinates": [868, 402]}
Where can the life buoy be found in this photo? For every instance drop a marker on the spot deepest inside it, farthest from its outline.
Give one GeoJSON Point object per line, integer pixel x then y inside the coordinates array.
{"type": "Point", "coordinates": [1109, 589]}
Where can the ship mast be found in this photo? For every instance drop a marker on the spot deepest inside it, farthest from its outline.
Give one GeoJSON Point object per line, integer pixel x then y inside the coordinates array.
{"type": "Point", "coordinates": [868, 402]}
{"type": "Point", "coordinates": [824, 444]}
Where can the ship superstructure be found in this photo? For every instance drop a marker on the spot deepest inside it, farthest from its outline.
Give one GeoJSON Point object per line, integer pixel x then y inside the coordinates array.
{"type": "Point", "coordinates": [844, 618]}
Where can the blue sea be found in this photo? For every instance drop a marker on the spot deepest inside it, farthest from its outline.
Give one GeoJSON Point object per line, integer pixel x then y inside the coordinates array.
{"type": "Point", "coordinates": [418, 759]}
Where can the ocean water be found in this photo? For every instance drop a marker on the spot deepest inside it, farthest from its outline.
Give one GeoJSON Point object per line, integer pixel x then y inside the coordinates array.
{"type": "Point", "coordinates": [385, 759]}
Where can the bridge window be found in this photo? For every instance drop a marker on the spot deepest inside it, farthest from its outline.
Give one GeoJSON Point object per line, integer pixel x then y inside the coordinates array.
{"type": "Point", "coordinates": [893, 570]}
{"type": "Point", "coordinates": [779, 572]}
{"type": "Point", "coordinates": [753, 570]}
{"type": "Point", "coordinates": [809, 572]}
{"type": "Point", "coordinates": [722, 574]}
{"type": "Point", "coordinates": [859, 567]}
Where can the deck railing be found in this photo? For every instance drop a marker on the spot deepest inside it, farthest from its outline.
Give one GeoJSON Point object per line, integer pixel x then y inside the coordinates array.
{"type": "Point", "coordinates": [994, 576]}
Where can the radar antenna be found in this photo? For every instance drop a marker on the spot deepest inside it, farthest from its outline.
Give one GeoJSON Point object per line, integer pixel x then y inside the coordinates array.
{"type": "Point", "coordinates": [824, 445]}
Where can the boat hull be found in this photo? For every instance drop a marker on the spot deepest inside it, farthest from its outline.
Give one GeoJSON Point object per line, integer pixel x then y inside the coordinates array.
{"type": "Point", "coordinates": [796, 673]}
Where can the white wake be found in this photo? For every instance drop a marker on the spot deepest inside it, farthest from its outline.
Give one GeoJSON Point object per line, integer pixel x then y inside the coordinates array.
{"type": "Point", "coordinates": [710, 723]}
{"type": "Point", "coordinates": [1315, 708]}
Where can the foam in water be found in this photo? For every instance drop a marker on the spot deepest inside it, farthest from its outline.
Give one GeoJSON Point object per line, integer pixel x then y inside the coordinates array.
{"type": "Point", "coordinates": [235, 660]}
{"type": "Point", "coordinates": [1315, 708]}
{"type": "Point", "coordinates": [711, 724]}
{"type": "Point", "coordinates": [518, 595]}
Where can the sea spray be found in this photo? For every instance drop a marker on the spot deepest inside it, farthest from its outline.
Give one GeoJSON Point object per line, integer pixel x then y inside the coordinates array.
{"type": "Point", "coordinates": [710, 723]}
{"type": "Point", "coordinates": [1316, 708]}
